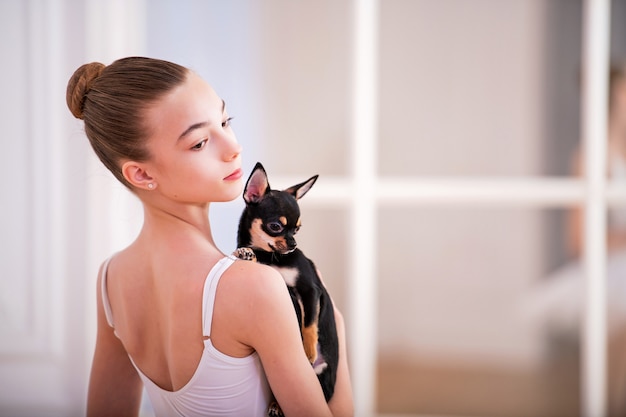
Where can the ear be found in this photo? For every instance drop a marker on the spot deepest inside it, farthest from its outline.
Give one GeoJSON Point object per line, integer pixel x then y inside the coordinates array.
{"type": "Point", "coordinates": [137, 176]}
{"type": "Point", "coordinates": [257, 185]}
{"type": "Point", "coordinates": [299, 190]}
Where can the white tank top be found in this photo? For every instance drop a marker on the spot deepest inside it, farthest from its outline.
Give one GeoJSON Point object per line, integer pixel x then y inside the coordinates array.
{"type": "Point", "coordinates": [221, 385]}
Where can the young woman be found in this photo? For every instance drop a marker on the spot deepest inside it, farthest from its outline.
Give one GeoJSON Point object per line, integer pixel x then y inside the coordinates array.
{"type": "Point", "coordinates": [558, 303]}
{"type": "Point", "coordinates": [206, 334]}
{"type": "Point", "coordinates": [616, 168]}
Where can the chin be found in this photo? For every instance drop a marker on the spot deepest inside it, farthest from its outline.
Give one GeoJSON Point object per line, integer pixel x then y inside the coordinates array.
{"type": "Point", "coordinates": [230, 194]}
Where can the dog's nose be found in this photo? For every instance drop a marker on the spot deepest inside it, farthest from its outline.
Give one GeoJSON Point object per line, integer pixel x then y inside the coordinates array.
{"type": "Point", "coordinates": [291, 242]}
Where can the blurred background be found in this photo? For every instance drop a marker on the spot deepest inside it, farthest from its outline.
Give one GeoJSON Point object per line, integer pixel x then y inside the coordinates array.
{"type": "Point", "coordinates": [467, 320]}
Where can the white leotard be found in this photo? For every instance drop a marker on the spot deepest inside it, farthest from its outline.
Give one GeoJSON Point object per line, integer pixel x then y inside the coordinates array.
{"type": "Point", "coordinates": [221, 385]}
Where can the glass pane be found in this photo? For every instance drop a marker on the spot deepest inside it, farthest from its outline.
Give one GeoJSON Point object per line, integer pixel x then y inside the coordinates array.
{"type": "Point", "coordinates": [304, 80]}
{"type": "Point", "coordinates": [324, 239]}
{"type": "Point", "coordinates": [478, 88]}
{"type": "Point", "coordinates": [458, 328]}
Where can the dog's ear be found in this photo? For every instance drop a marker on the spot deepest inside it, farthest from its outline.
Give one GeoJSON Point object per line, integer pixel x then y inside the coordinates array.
{"type": "Point", "coordinates": [299, 190]}
{"type": "Point", "coordinates": [257, 185]}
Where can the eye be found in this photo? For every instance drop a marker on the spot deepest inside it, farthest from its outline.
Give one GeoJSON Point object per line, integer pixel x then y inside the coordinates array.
{"type": "Point", "coordinates": [226, 123]}
{"type": "Point", "coordinates": [199, 145]}
{"type": "Point", "coordinates": [275, 227]}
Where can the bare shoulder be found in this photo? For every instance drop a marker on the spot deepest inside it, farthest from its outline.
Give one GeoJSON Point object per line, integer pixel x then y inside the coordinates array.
{"type": "Point", "coordinates": [259, 290]}
{"type": "Point", "coordinates": [252, 296]}
{"type": "Point", "coordinates": [254, 279]}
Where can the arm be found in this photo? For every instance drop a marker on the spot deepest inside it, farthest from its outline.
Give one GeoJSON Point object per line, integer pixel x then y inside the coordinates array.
{"type": "Point", "coordinates": [274, 334]}
{"type": "Point", "coordinates": [114, 386]}
{"type": "Point", "coordinates": [341, 402]}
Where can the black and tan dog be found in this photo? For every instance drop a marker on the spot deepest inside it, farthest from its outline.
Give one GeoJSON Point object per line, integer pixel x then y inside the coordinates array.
{"type": "Point", "coordinates": [267, 227]}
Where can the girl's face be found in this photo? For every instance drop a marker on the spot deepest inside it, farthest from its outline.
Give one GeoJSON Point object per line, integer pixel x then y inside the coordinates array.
{"type": "Point", "coordinates": [194, 155]}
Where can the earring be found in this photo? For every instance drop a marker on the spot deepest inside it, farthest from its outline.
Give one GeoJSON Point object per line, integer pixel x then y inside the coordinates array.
{"type": "Point", "coordinates": [151, 186]}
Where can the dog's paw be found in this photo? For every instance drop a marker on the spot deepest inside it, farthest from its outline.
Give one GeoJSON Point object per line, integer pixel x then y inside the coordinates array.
{"type": "Point", "coordinates": [274, 410]}
{"type": "Point", "coordinates": [245, 254]}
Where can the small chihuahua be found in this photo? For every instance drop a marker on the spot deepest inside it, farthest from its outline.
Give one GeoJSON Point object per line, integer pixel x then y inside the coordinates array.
{"type": "Point", "coordinates": [267, 227]}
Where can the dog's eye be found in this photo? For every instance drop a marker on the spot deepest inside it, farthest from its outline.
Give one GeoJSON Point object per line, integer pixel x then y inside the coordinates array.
{"type": "Point", "coordinates": [275, 227]}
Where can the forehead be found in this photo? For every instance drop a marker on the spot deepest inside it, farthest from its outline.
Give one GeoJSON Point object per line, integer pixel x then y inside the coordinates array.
{"type": "Point", "coordinates": [191, 102]}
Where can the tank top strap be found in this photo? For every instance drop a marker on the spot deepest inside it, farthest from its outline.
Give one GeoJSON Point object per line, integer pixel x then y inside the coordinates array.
{"type": "Point", "coordinates": [210, 288]}
{"type": "Point", "coordinates": [105, 296]}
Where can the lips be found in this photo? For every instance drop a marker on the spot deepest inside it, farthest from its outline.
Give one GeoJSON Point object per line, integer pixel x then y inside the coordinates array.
{"type": "Point", "coordinates": [235, 175]}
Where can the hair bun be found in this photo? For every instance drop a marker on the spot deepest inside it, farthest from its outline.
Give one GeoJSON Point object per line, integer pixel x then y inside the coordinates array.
{"type": "Point", "coordinates": [80, 84]}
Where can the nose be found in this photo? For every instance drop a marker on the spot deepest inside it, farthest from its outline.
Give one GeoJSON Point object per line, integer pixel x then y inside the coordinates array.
{"type": "Point", "coordinates": [235, 152]}
{"type": "Point", "coordinates": [291, 241]}
{"type": "Point", "coordinates": [232, 148]}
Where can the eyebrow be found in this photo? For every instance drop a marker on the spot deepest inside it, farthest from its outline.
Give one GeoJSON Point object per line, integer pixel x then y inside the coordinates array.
{"type": "Point", "coordinates": [198, 125]}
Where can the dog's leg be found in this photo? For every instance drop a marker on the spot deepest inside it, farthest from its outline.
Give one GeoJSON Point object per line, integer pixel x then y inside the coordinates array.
{"type": "Point", "coordinates": [311, 312]}
{"type": "Point", "coordinates": [309, 333]}
{"type": "Point", "coordinates": [309, 339]}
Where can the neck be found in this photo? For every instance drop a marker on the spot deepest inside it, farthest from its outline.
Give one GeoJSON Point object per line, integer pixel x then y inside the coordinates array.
{"type": "Point", "coordinates": [175, 223]}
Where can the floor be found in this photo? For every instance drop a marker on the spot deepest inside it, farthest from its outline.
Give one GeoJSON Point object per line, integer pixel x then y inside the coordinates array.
{"type": "Point", "coordinates": [408, 386]}
{"type": "Point", "coordinates": [436, 389]}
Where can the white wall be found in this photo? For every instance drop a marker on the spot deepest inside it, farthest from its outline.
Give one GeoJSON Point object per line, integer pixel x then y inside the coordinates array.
{"type": "Point", "coordinates": [42, 334]}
